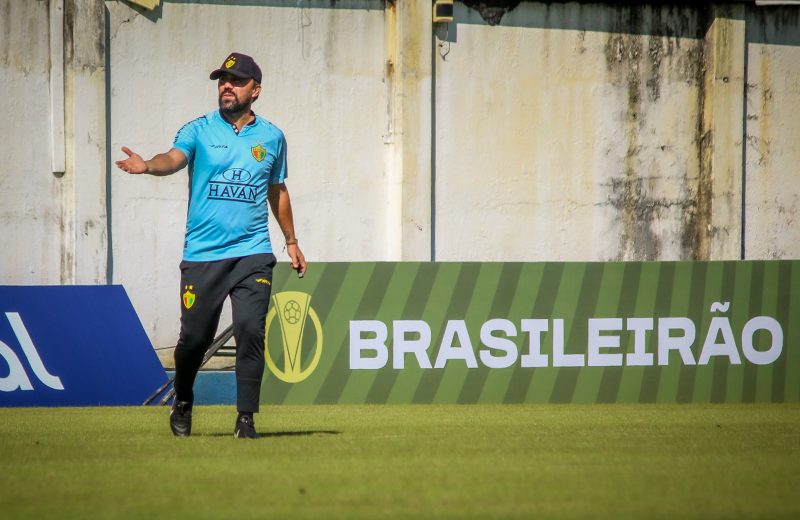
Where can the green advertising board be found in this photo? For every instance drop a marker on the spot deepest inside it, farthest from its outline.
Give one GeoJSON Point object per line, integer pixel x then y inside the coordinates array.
{"type": "Point", "coordinates": [552, 332]}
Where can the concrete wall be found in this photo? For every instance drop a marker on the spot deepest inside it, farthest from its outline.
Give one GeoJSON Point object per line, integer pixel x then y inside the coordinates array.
{"type": "Point", "coordinates": [568, 131]}
{"type": "Point", "coordinates": [53, 142]}
{"type": "Point", "coordinates": [590, 132]}
{"type": "Point", "coordinates": [558, 133]}
{"type": "Point", "coordinates": [772, 150]}
{"type": "Point", "coordinates": [30, 206]}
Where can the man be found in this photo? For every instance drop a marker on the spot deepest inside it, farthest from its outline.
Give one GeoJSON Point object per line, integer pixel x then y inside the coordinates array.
{"type": "Point", "coordinates": [237, 163]}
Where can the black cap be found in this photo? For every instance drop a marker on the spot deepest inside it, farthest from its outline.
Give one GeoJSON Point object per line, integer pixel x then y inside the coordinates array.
{"type": "Point", "coordinates": [239, 65]}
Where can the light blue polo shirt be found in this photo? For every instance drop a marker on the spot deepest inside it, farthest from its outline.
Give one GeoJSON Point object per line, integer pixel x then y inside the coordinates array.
{"type": "Point", "coordinates": [229, 175]}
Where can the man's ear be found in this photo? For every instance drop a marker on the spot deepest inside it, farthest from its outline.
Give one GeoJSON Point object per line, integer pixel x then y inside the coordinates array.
{"type": "Point", "coordinates": [256, 91]}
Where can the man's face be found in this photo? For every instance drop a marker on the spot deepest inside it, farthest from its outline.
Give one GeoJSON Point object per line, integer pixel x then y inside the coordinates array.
{"type": "Point", "coordinates": [236, 94]}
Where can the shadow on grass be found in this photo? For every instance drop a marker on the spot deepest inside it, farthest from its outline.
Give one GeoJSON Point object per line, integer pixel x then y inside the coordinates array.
{"type": "Point", "coordinates": [266, 435]}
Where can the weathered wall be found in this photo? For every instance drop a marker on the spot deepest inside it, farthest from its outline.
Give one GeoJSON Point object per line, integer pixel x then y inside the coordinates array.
{"type": "Point", "coordinates": [53, 135]}
{"type": "Point", "coordinates": [772, 152]}
{"type": "Point", "coordinates": [570, 131]}
{"type": "Point", "coordinates": [618, 135]}
{"type": "Point", "coordinates": [84, 205]}
{"type": "Point", "coordinates": [30, 209]}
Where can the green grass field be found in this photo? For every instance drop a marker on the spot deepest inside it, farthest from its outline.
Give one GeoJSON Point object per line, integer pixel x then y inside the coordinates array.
{"type": "Point", "coordinates": [460, 461]}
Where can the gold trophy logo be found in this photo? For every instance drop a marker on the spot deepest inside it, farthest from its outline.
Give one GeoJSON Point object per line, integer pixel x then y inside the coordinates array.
{"type": "Point", "coordinates": [293, 308]}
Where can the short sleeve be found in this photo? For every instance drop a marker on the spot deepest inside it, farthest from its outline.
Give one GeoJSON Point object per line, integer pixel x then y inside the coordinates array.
{"type": "Point", "coordinates": [279, 169]}
{"type": "Point", "coordinates": [186, 140]}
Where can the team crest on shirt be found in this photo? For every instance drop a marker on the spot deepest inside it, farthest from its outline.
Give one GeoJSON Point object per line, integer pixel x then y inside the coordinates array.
{"type": "Point", "coordinates": [258, 152]}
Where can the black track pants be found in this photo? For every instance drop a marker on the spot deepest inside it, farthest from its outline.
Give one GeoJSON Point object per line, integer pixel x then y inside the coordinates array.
{"type": "Point", "coordinates": [204, 287]}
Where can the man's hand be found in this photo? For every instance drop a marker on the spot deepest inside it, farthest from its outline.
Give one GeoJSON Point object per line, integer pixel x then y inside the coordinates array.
{"type": "Point", "coordinates": [133, 164]}
{"type": "Point", "coordinates": [161, 164]}
{"type": "Point", "coordinates": [298, 260]}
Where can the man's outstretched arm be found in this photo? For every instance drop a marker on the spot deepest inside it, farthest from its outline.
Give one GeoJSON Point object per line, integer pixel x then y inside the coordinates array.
{"type": "Point", "coordinates": [162, 164]}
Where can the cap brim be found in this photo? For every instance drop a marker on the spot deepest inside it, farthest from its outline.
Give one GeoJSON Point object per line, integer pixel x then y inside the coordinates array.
{"type": "Point", "coordinates": [219, 72]}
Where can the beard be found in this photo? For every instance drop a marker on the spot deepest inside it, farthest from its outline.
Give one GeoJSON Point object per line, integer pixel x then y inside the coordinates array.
{"type": "Point", "coordinates": [232, 106]}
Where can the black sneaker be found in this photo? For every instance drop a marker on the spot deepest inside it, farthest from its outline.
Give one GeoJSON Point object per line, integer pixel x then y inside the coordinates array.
{"type": "Point", "coordinates": [180, 418]}
{"type": "Point", "coordinates": [245, 428]}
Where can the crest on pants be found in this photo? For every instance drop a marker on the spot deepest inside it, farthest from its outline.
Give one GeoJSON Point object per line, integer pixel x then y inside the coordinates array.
{"type": "Point", "coordinates": [188, 296]}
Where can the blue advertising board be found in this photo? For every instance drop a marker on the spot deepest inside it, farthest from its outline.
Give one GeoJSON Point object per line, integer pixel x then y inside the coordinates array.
{"type": "Point", "coordinates": [74, 346]}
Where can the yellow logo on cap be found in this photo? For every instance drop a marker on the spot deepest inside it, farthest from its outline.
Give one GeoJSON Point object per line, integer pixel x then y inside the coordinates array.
{"type": "Point", "coordinates": [231, 62]}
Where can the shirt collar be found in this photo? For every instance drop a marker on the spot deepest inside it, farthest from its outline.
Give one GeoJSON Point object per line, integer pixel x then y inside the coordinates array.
{"type": "Point", "coordinates": [233, 127]}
